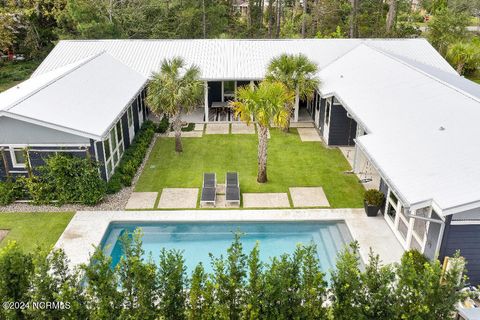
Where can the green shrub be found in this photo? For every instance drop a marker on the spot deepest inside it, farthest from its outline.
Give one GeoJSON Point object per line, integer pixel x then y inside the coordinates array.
{"type": "Point", "coordinates": [163, 125]}
{"type": "Point", "coordinates": [132, 158]}
{"type": "Point", "coordinates": [374, 197]}
{"type": "Point", "coordinates": [189, 127]}
{"type": "Point", "coordinates": [7, 194]}
{"type": "Point", "coordinates": [115, 183]}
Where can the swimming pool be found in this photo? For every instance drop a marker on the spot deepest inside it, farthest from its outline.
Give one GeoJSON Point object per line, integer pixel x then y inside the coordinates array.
{"type": "Point", "coordinates": [198, 239]}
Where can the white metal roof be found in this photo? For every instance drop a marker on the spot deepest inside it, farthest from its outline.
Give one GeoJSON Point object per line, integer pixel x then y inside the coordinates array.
{"type": "Point", "coordinates": [84, 98]}
{"type": "Point", "coordinates": [404, 109]}
{"type": "Point", "coordinates": [230, 59]}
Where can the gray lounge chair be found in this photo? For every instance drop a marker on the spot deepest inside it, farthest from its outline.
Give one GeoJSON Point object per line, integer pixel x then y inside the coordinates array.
{"type": "Point", "coordinates": [209, 192]}
{"type": "Point", "coordinates": [209, 180]}
{"type": "Point", "coordinates": [232, 188]}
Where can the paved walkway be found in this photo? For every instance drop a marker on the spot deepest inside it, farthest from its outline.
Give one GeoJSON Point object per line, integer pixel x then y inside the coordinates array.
{"type": "Point", "coordinates": [242, 128]}
{"type": "Point", "coordinates": [308, 197]}
{"type": "Point", "coordinates": [187, 134]}
{"type": "Point", "coordinates": [308, 134]}
{"type": "Point", "coordinates": [265, 200]}
{"type": "Point", "coordinates": [88, 227]}
{"type": "Point", "coordinates": [178, 198]}
{"type": "Point", "coordinates": [308, 124]}
{"type": "Point", "coordinates": [217, 128]}
{"type": "Point", "coordinates": [142, 200]}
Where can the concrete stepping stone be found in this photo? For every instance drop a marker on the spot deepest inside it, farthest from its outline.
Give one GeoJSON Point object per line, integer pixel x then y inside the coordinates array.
{"type": "Point", "coordinates": [217, 128]}
{"type": "Point", "coordinates": [199, 127]}
{"type": "Point", "coordinates": [187, 134]}
{"type": "Point", "coordinates": [242, 128]}
{"type": "Point", "coordinates": [302, 125]}
{"type": "Point", "coordinates": [178, 198]}
{"type": "Point", "coordinates": [308, 197]}
{"type": "Point", "coordinates": [142, 200]}
{"type": "Point", "coordinates": [308, 134]}
{"type": "Point", "coordinates": [265, 200]}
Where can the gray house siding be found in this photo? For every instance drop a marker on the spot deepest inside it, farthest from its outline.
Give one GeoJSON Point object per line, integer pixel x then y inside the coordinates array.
{"type": "Point", "coordinates": [342, 129]}
{"type": "Point", "coordinates": [466, 238]}
{"type": "Point", "coordinates": [14, 131]}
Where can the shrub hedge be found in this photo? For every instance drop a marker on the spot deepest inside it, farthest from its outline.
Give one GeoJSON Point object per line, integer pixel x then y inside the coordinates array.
{"type": "Point", "coordinates": [132, 159]}
{"type": "Point", "coordinates": [163, 125]}
{"type": "Point", "coordinates": [62, 179]}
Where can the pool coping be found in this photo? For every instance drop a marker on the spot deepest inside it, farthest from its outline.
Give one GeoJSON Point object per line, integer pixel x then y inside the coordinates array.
{"type": "Point", "coordinates": [87, 228]}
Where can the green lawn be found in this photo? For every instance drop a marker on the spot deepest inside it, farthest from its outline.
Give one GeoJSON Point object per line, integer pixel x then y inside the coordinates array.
{"type": "Point", "coordinates": [12, 73]}
{"type": "Point", "coordinates": [32, 229]}
{"type": "Point", "coordinates": [291, 163]}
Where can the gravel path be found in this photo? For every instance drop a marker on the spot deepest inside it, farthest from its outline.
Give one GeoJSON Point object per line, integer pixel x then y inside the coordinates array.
{"type": "Point", "coordinates": [111, 202]}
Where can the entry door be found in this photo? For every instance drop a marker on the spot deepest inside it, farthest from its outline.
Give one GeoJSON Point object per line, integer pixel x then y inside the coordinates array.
{"type": "Point", "coordinates": [432, 240]}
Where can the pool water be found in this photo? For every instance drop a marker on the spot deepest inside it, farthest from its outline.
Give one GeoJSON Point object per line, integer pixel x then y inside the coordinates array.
{"type": "Point", "coordinates": [197, 240]}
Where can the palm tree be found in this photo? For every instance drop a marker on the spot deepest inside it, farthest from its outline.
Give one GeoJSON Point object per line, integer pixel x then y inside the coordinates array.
{"type": "Point", "coordinates": [298, 74]}
{"type": "Point", "coordinates": [462, 55]}
{"type": "Point", "coordinates": [266, 104]}
{"type": "Point", "coordinates": [173, 90]}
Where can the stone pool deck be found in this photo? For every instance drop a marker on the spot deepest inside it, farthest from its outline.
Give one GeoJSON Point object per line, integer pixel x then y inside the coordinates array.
{"type": "Point", "coordinates": [86, 229]}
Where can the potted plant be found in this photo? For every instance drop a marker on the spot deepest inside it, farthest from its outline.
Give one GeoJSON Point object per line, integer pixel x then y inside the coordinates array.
{"type": "Point", "coordinates": [372, 202]}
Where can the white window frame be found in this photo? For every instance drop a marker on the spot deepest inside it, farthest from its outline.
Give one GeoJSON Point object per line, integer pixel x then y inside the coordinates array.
{"type": "Point", "coordinates": [131, 124]}
{"type": "Point", "coordinates": [15, 164]}
{"type": "Point", "coordinates": [119, 148]}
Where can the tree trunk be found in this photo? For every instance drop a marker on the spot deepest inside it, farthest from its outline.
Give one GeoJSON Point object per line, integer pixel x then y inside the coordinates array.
{"type": "Point", "coordinates": [304, 18]}
{"type": "Point", "coordinates": [271, 18]}
{"type": "Point", "coordinates": [204, 20]}
{"type": "Point", "coordinates": [460, 67]}
{"type": "Point", "coordinates": [297, 104]}
{"type": "Point", "coordinates": [279, 18]}
{"type": "Point", "coordinates": [177, 127]}
{"type": "Point", "coordinates": [391, 16]}
{"type": "Point", "coordinates": [262, 154]}
{"type": "Point", "coordinates": [353, 19]}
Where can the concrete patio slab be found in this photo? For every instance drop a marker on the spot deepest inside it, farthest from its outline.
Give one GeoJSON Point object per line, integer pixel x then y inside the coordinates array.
{"type": "Point", "coordinates": [242, 128]}
{"type": "Point", "coordinates": [308, 134]}
{"type": "Point", "coordinates": [265, 200]}
{"type": "Point", "coordinates": [302, 125]}
{"type": "Point", "coordinates": [220, 203]}
{"type": "Point", "coordinates": [142, 200]}
{"type": "Point", "coordinates": [188, 134]}
{"type": "Point", "coordinates": [199, 126]}
{"type": "Point", "coordinates": [86, 229]}
{"type": "Point", "coordinates": [217, 128]}
{"type": "Point", "coordinates": [308, 197]}
{"type": "Point", "coordinates": [178, 198]}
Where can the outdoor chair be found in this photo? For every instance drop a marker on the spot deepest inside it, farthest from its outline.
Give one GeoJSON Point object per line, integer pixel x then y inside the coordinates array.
{"type": "Point", "coordinates": [232, 188]}
{"type": "Point", "coordinates": [209, 180]}
{"type": "Point", "coordinates": [209, 189]}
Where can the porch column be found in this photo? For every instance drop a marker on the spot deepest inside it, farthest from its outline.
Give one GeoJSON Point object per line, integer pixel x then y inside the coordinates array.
{"type": "Point", "coordinates": [411, 221]}
{"type": "Point", "coordinates": [297, 105]}
{"type": "Point", "coordinates": [205, 94]}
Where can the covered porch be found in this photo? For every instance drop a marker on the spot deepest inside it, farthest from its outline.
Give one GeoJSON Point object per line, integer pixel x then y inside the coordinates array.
{"type": "Point", "coordinates": [218, 94]}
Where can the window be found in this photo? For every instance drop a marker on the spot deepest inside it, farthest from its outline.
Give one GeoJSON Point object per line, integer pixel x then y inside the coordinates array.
{"type": "Point", "coordinates": [113, 139]}
{"type": "Point", "coordinates": [113, 146]}
{"type": "Point", "coordinates": [228, 90]}
{"type": "Point", "coordinates": [327, 113]}
{"type": "Point", "coordinates": [130, 116]}
{"type": "Point", "coordinates": [18, 157]}
{"type": "Point", "coordinates": [106, 147]}
{"type": "Point", "coordinates": [391, 211]}
{"type": "Point", "coordinates": [119, 131]}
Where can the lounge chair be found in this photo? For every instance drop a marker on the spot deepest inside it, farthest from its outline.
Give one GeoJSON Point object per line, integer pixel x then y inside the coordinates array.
{"type": "Point", "coordinates": [209, 189]}
{"type": "Point", "coordinates": [209, 180]}
{"type": "Point", "coordinates": [232, 188]}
